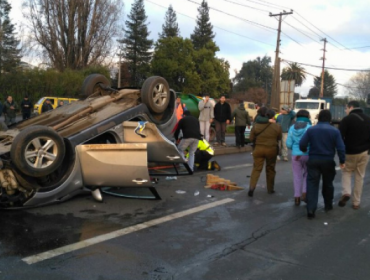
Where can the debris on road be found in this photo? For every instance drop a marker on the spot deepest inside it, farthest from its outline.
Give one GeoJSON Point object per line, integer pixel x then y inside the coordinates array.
{"type": "Point", "coordinates": [217, 183]}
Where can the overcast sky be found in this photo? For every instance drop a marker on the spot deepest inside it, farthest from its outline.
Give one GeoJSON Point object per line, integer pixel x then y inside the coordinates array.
{"type": "Point", "coordinates": [244, 30]}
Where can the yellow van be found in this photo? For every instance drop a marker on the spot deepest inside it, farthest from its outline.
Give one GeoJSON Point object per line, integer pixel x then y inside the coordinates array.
{"type": "Point", "coordinates": [54, 102]}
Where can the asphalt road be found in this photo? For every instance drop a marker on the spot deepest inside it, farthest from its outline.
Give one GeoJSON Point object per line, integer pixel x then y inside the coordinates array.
{"type": "Point", "coordinates": [188, 236]}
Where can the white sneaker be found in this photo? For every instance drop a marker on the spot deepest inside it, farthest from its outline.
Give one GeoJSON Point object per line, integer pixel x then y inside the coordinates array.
{"type": "Point", "coordinates": [278, 158]}
{"type": "Point", "coordinates": [285, 159]}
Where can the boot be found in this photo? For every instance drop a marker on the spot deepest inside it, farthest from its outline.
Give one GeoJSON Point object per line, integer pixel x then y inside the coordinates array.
{"type": "Point", "coordinates": [297, 201]}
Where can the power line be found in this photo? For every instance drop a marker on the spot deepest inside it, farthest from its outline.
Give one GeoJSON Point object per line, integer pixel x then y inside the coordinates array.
{"type": "Point", "coordinates": [248, 21]}
{"type": "Point", "coordinates": [232, 32]}
{"type": "Point", "coordinates": [239, 4]}
{"type": "Point", "coordinates": [306, 26]}
{"type": "Point", "coordinates": [332, 68]}
{"type": "Point", "coordinates": [322, 31]}
{"type": "Point", "coordinates": [300, 32]}
{"type": "Point", "coordinates": [268, 4]}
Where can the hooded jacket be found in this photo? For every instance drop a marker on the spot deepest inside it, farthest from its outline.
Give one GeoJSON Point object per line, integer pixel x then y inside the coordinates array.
{"type": "Point", "coordinates": [295, 134]}
{"type": "Point", "coordinates": [241, 116]}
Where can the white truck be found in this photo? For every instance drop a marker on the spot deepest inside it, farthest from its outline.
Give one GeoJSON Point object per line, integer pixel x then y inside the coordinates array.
{"type": "Point", "coordinates": [313, 106]}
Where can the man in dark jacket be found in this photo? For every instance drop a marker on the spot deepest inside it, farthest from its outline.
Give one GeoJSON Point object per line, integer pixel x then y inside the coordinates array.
{"type": "Point", "coordinates": [222, 114]}
{"type": "Point", "coordinates": [26, 107]}
{"type": "Point", "coordinates": [241, 121]}
{"type": "Point", "coordinates": [323, 140]}
{"type": "Point", "coordinates": [355, 130]}
{"type": "Point", "coordinates": [46, 106]}
{"type": "Point", "coordinates": [190, 128]}
{"type": "Point", "coordinates": [9, 110]}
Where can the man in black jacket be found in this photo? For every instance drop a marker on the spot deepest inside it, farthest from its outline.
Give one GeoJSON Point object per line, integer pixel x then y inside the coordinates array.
{"type": "Point", "coordinates": [26, 107]}
{"type": "Point", "coordinates": [355, 130]}
{"type": "Point", "coordinates": [190, 128]}
{"type": "Point", "coordinates": [222, 114]}
{"type": "Point", "coordinates": [46, 106]}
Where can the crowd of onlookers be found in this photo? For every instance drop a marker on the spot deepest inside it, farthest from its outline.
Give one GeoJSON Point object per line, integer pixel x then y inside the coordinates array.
{"type": "Point", "coordinates": [10, 108]}
{"type": "Point", "coordinates": [313, 148]}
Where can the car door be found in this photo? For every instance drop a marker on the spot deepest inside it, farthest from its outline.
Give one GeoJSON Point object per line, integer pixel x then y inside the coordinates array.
{"type": "Point", "coordinates": [145, 153]}
{"type": "Point", "coordinates": [114, 165]}
{"type": "Point", "coordinates": [164, 159]}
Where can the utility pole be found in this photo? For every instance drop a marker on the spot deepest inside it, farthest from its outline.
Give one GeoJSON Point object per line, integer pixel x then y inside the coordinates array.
{"type": "Point", "coordinates": [323, 70]}
{"type": "Point", "coordinates": [119, 68]}
{"type": "Point", "coordinates": [275, 89]}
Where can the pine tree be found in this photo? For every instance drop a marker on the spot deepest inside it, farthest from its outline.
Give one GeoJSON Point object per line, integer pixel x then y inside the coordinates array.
{"type": "Point", "coordinates": [170, 28]}
{"type": "Point", "coordinates": [203, 32]}
{"type": "Point", "coordinates": [9, 53]}
{"type": "Point", "coordinates": [136, 44]}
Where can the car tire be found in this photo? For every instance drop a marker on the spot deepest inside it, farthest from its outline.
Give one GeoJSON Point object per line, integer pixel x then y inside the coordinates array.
{"type": "Point", "coordinates": [155, 94]}
{"type": "Point", "coordinates": [93, 83]}
{"type": "Point", "coordinates": [37, 151]}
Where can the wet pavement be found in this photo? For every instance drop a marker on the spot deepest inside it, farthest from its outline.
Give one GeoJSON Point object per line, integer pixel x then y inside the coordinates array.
{"type": "Point", "coordinates": [264, 237]}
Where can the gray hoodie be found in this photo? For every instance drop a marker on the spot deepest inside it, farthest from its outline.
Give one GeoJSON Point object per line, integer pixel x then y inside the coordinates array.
{"type": "Point", "coordinates": [205, 111]}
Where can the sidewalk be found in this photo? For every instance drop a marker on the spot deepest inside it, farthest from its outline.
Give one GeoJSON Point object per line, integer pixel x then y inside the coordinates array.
{"type": "Point", "coordinates": [230, 147]}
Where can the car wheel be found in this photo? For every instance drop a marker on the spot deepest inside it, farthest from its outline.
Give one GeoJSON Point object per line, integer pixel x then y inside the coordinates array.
{"type": "Point", "coordinates": [155, 94]}
{"type": "Point", "coordinates": [212, 133]}
{"type": "Point", "coordinates": [37, 151]}
{"type": "Point", "coordinates": [93, 84]}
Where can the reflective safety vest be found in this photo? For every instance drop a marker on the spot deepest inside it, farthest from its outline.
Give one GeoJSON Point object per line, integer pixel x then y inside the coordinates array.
{"type": "Point", "coordinates": [179, 111]}
{"type": "Point", "coordinates": [203, 145]}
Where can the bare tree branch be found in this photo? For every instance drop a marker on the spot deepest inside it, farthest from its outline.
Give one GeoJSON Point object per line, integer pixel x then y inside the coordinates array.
{"type": "Point", "coordinates": [75, 33]}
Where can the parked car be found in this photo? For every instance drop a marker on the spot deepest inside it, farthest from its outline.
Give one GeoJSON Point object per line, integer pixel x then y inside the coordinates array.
{"type": "Point", "coordinates": [54, 102]}
{"type": "Point", "coordinates": [113, 138]}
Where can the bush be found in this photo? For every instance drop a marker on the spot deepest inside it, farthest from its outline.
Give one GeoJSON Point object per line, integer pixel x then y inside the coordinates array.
{"type": "Point", "coordinates": [230, 128]}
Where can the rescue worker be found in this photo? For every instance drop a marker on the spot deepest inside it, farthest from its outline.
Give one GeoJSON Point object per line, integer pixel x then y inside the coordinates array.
{"type": "Point", "coordinates": [180, 108]}
{"type": "Point", "coordinates": [203, 154]}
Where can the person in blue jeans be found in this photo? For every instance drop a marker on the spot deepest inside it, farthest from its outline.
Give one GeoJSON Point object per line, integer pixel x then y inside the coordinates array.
{"type": "Point", "coordinates": [324, 140]}
{"type": "Point", "coordinates": [299, 158]}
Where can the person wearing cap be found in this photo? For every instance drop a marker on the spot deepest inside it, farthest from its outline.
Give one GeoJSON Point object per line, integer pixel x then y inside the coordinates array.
{"type": "Point", "coordinates": [206, 116]}
{"type": "Point", "coordinates": [189, 126]}
{"type": "Point", "coordinates": [285, 119]}
{"type": "Point", "coordinates": [26, 107]}
{"type": "Point", "coordinates": [322, 141]}
{"type": "Point", "coordinates": [9, 111]}
{"type": "Point", "coordinates": [46, 106]}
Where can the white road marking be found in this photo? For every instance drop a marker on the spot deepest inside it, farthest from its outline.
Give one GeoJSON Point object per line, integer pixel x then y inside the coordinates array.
{"type": "Point", "coordinates": [101, 238]}
{"type": "Point", "coordinates": [237, 166]}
